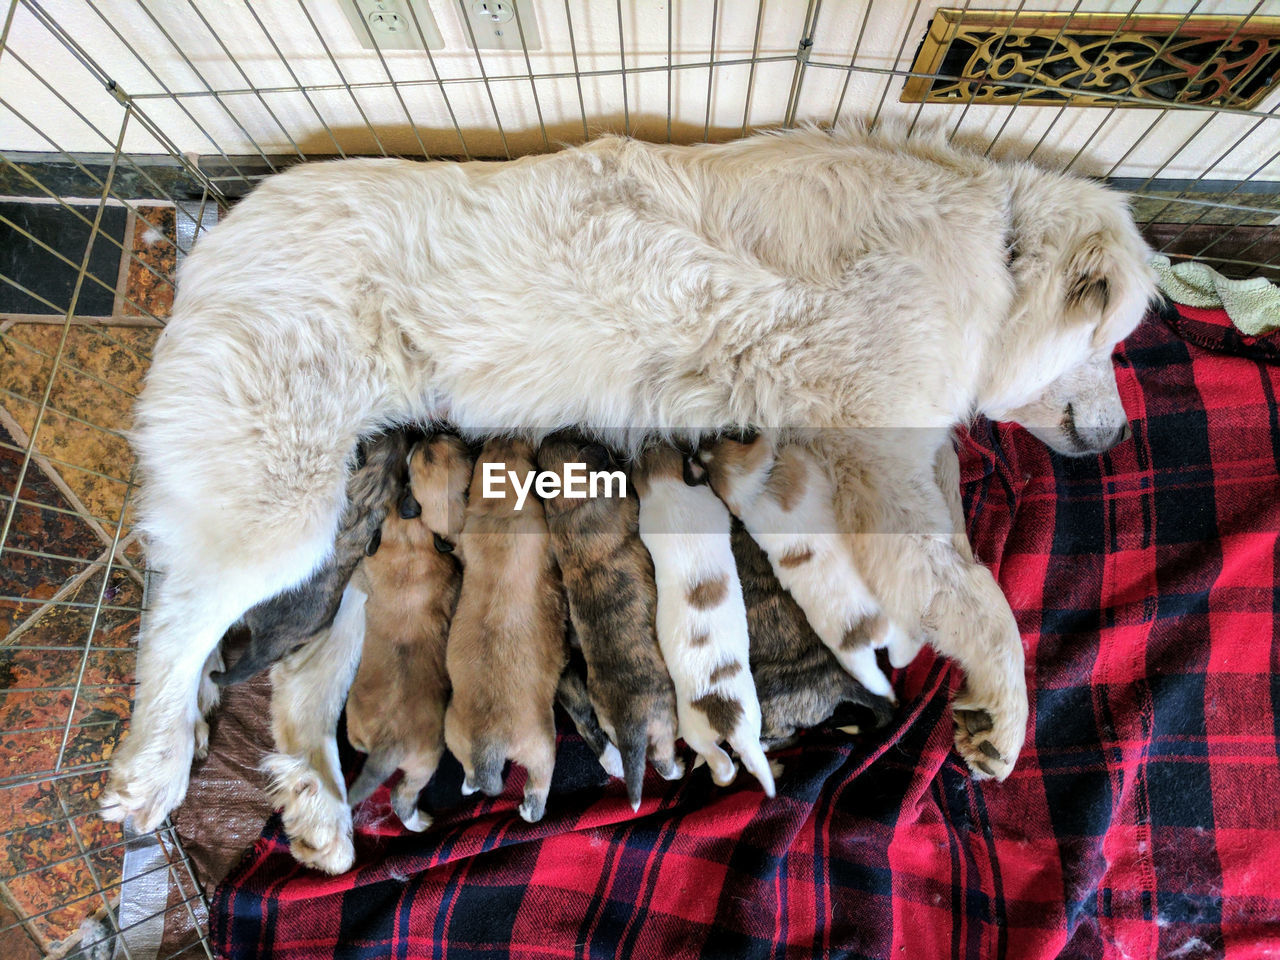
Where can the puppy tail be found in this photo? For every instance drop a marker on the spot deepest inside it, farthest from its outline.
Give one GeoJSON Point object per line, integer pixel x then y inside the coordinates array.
{"type": "Point", "coordinates": [489, 760]}
{"type": "Point", "coordinates": [633, 748]}
{"type": "Point", "coordinates": [377, 768]}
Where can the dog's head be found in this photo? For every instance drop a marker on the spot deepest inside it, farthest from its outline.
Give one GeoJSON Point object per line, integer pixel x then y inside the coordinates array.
{"type": "Point", "coordinates": [439, 475]}
{"type": "Point", "coordinates": [1082, 284]}
{"type": "Point", "coordinates": [736, 460]}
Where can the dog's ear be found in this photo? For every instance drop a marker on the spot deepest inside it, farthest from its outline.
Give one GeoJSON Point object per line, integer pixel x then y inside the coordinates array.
{"type": "Point", "coordinates": [596, 456]}
{"type": "Point", "coordinates": [409, 508]}
{"type": "Point", "coordinates": [695, 471]}
{"type": "Point", "coordinates": [1088, 277]}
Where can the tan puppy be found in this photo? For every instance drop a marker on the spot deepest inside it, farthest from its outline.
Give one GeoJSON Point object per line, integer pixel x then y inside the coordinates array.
{"type": "Point", "coordinates": [507, 643]}
{"type": "Point", "coordinates": [395, 711]}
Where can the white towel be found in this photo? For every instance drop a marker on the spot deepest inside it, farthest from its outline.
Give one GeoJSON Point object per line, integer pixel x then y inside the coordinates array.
{"type": "Point", "coordinates": [1253, 305]}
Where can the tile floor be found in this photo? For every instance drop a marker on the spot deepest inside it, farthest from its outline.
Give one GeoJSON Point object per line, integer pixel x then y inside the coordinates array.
{"type": "Point", "coordinates": [67, 625]}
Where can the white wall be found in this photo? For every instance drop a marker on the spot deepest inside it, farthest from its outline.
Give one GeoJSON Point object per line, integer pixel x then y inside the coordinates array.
{"type": "Point", "coordinates": [241, 123]}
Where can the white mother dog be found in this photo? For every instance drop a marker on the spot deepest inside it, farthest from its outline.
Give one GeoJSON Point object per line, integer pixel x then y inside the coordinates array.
{"type": "Point", "coordinates": [805, 279]}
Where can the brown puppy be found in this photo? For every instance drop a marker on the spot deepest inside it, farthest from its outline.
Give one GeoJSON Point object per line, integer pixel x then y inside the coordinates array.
{"type": "Point", "coordinates": [395, 710]}
{"type": "Point", "coordinates": [608, 581]}
{"type": "Point", "coordinates": [506, 646]}
{"type": "Point", "coordinates": [799, 681]}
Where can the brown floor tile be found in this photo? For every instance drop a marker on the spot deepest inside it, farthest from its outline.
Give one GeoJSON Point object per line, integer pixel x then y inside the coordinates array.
{"type": "Point", "coordinates": [15, 942]}
{"type": "Point", "coordinates": [36, 530]}
{"type": "Point", "coordinates": [155, 235]}
{"type": "Point", "coordinates": [90, 405]}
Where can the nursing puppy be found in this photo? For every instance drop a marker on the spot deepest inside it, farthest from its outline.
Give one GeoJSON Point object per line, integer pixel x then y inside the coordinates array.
{"type": "Point", "coordinates": [798, 680]}
{"type": "Point", "coordinates": [857, 280]}
{"type": "Point", "coordinates": [608, 582]}
{"type": "Point", "coordinates": [506, 645]}
{"type": "Point", "coordinates": [571, 694]}
{"type": "Point", "coordinates": [395, 711]}
{"type": "Point", "coordinates": [701, 619]}
{"type": "Point", "coordinates": [786, 501]}
{"type": "Point", "coordinates": [280, 625]}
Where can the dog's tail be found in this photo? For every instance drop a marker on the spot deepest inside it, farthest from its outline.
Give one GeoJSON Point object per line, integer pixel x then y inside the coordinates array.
{"type": "Point", "coordinates": [379, 765]}
{"type": "Point", "coordinates": [486, 775]}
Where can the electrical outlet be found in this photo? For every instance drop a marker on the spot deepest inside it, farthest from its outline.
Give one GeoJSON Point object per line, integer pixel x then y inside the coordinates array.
{"type": "Point", "coordinates": [494, 24]}
{"type": "Point", "coordinates": [389, 24]}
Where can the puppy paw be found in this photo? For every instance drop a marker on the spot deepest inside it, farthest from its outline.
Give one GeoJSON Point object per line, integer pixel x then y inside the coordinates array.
{"type": "Point", "coordinates": [417, 821]}
{"type": "Point", "coordinates": [672, 769]}
{"type": "Point", "coordinates": [723, 769]}
{"type": "Point", "coordinates": [317, 822]}
{"type": "Point", "coordinates": [150, 779]}
{"type": "Point", "coordinates": [201, 739]}
{"type": "Point", "coordinates": [989, 735]}
{"type": "Point", "coordinates": [533, 807]}
{"type": "Point", "coordinates": [611, 760]}
{"type": "Point", "coordinates": [903, 648]}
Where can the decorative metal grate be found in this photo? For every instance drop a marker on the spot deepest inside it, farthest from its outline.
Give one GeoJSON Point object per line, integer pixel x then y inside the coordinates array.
{"type": "Point", "coordinates": [1052, 59]}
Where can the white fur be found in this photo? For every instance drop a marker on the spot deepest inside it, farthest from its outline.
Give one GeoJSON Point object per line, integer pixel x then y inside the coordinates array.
{"type": "Point", "coordinates": [308, 690]}
{"type": "Point", "coordinates": [680, 561]}
{"type": "Point", "coordinates": [827, 586]}
{"type": "Point", "coordinates": [818, 279]}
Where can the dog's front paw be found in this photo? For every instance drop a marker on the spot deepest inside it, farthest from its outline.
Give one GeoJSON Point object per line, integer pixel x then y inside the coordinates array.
{"type": "Point", "coordinates": [989, 735]}
{"type": "Point", "coordinates": [148, 780]}
{"type": "Point", "coordinates": [317, 822]}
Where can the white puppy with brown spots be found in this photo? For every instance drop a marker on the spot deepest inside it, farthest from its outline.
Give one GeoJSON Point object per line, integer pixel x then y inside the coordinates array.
{"type": "Point", "coordinates": [787, 503]}
{"type": "Point", "coordinates": [701, 618]}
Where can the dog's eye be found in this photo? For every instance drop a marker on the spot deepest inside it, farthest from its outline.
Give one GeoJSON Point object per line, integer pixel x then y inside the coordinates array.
{"type": "Point", "coordinates": [745, 435]}
{"type": "Point", "coordinates": [443, 545]}
{"type": "Point", "coordinates": [374, 543]}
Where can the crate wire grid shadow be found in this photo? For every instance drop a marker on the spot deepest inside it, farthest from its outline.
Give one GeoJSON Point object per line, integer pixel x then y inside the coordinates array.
{"type": "Point", "coordinates": [73, 577]}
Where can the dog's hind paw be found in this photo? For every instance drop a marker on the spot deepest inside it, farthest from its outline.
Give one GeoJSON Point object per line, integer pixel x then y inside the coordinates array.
{"type": "Point", "coordinates": [317, 822]}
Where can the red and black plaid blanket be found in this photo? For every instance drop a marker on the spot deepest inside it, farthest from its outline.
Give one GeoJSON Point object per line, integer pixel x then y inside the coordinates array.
{"type": "Point", "coordinates": [1142, 821]}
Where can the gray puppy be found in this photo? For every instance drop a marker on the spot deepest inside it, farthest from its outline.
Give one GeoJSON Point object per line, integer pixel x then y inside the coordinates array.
{"type": "Point", "coordinates": [277, 627]}
{"type": "Point", "coordinates": [572, 695]}
{"type": "Point", "coordinates": [608, 581]}
{"type": "Point", "coordinates": [798, 680]}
